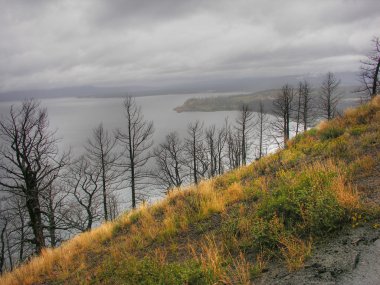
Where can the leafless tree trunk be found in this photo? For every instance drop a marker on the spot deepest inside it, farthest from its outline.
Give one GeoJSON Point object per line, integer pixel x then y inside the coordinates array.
{"type": "Point", "coordinates": [54, 205]}
{"type": "Point", "coordinates": [3, 228]}
{"type": "Point", "coordinates": [299, 105]}
{"type": "Point", "coordinates": [329, 97]}
{"type": "Point", "coordinates": [30, 160]}
{"type": "Point", "coordinates": [170, 162]}
{"type": "Point", "coordinates": [113, 206]}
{"type": "Point", "coordinates": [234, 148]}
{"type": "Point", "coordinates": [262, 126]}
{"type": "Point", "coordinates": [136, 140]}
{"type": "Point", "coordinates": [194, 148]}
{"type": "Point", "coordinates": [370, 69]}
{"type": "Point", "coordinates": [221, 139]}
{"type": "Point", "coordinates": [101, 152]}
{"type": "Point", "coordinates": [307, 108]}
{"type": "Point", "coordinates": [211, 148]}
{"type": "Point", "coordinates": [244, 125]}
{"type": "Point", "coordinates": [283, 110]}
{"type": "Point", "coordinates": [84, 184]}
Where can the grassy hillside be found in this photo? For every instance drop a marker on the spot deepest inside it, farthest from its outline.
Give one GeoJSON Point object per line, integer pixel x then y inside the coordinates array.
{"type": "Point", "coordinates": [226, 230]}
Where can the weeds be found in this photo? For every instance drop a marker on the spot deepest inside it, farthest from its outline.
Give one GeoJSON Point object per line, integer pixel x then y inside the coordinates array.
{"type": "Point", "coordinates": [273, 207]}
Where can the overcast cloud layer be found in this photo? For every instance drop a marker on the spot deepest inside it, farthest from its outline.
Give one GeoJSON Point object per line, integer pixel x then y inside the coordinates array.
{"type": "Point", "coordinates": [50, 44]}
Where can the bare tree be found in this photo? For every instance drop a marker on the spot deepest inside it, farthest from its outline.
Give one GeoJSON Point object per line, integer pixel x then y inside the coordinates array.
{"type": "Point", "coordinates": [282, 106]}
{"type": "Point", "coordinates": [233, 147]}
{"type": "Point", "coordinates": [369, 75]}
{"type": "Point", "coordinates": [15, 232]}
{"type": "Point", "coordinates": [195, 149]}
{"type": "Point", "coordinates": [221, 140]}
{"type": "Point", "coordinates": [100, 149]}
{"type": "Point", "coordinates": [170, 169]}
{"type": "Point", "coordinates": [244, 125]}
{"type": "Point", "coordinates": [84, 185]}
{"type": "Point", "coordinates": [298, 106]}
{"type": "Point", "coordinates": [307, 108]}
{"type": "Point", "coordinates": [54, 204]}
{"type": "Point", "coordinates": [210, 136]}
{"type": "Point", "coordinates": [216, 139]}
{"type": "Point", "coordinates": [3, 228]}
{"type": "Point", "coordinates": [329, 97]}
{"type": "Point", "coordinates": [136, 140]}
{"type": "Point", "coordinates": [30, 160]}
{"type": "Point", "coordinates": [19, 233]}
{"type": "Point", "coordinates": [262, 129]}
{"type": "Point", "coordinates": [113, 206]}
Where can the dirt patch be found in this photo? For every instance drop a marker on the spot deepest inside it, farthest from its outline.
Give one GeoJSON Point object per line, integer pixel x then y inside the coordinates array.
{"type": "Point", "coordinates": [351, 257]}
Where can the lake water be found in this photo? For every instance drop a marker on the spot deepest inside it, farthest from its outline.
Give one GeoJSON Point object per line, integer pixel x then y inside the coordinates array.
{"type": "Point", "coordinates": [74, 118]}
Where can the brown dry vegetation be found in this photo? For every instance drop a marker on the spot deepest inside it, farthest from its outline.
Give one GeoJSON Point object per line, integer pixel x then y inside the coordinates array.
{"type": "Point", "coordinates": [225, 230]}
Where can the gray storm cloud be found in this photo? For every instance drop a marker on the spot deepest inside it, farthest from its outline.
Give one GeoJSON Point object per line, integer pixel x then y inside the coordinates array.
{"type": "Point", "coordinates": [47, 44]}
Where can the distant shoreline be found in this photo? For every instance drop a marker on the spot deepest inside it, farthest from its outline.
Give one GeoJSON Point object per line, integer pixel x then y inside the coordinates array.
{"type": "Point", "coordinates": [234, 102]}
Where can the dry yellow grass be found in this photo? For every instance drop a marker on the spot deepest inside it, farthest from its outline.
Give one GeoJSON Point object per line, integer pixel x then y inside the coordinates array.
{"type": "Point", "coordinates": [295, 251]}
{"type": "Point", "coordinates": [162, 221]}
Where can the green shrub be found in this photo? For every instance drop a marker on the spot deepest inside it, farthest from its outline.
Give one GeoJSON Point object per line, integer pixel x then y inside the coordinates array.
{"type": "Point", "coordinates": [304, 202]}
{"type": "Point", "coordinates": [330, 132]}
{"type": "Point", "coordinates": [357, 131]}
{"type": "Point", "coordinates": [150, 272]}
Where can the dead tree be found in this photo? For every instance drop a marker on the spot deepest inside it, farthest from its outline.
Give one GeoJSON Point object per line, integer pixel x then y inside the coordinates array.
{"type": "Point", "coordinates": [194, 149]}
{"type": "Point", "coordinates": [244, 125]}
{"type": "Point", "coordinates": [84, 185]}
{"type": "Point", "coordinates": [30, 160]}
{"type": "Point", "coordinates": [370, 69]}
{"type": "Point", "coordinates": [221, 140]}
{"type": "Point", "coordinates": [262, 124]}
{"type": "Point", "coordinates": [329, 96]}
{"type": "Point", "coordinates": [136, 140]}
{"type": "Point", "coordinates": [215, 139]}
{"type": "Point", "coordinates": [307, 104]}
{"type": "Point", "coordinates": [234, 148]}
{"type": "Point", "coordinates": [170, 159]}
{"type": "Point", "coordinates": [54, 204]}
{"type": "Point", "coordinates": [210, 136]}
{"type": "Point", "coordinates": [3, 229]}
{"type": "Point", "coordinates": [282, 107]}
{"type": "Point", "coordinates": [100, 149]}
{"type": "Point", "coordinates": [298, 107]}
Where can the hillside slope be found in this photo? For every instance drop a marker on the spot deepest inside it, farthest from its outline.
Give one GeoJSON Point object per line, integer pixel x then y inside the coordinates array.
{"type": "Point", "coordinates": [261, 224]}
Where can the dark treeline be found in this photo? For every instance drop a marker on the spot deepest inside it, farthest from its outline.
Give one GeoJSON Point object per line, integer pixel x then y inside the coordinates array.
{"type": "Point", "coordinates": [48, 195]}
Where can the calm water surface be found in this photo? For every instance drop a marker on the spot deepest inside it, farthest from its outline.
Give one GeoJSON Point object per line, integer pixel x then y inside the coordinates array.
{"type": "Point", "coordinates": [74, 118]}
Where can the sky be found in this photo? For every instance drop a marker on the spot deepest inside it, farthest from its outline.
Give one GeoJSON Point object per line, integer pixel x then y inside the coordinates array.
{"type": "Point", "coordinates": [53, 44]}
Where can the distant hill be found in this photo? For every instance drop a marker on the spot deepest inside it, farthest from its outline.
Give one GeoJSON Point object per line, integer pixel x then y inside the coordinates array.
{"type": "Point", "coordinates": [143, 88]}
{"type": "Point", "coordinates": [234, 102]}
{"type": "Point", "coordinates": [307, 214]}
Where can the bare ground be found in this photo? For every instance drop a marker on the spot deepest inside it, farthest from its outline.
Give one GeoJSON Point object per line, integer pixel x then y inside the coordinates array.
{"type": "Point", "coordinates": [352, 257]}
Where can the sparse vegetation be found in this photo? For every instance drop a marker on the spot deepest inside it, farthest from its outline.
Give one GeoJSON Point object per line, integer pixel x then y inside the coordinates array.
{"type": "Point", "coordinates": [224, 230]}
